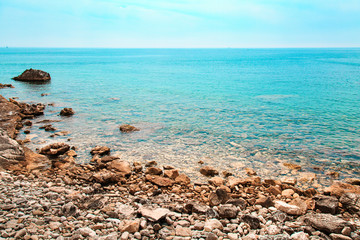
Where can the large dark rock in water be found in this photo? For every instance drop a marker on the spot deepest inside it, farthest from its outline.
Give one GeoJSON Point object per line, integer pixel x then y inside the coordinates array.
{"type": "Point", "coordinates": [33, 75]}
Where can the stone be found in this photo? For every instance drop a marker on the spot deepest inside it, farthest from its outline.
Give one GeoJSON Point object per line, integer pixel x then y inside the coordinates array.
{"type": "Point", "coordinates": [131, 226]}
{"type": "Point", "coordinates": [264, 201]}
{"type": "Point", "coordinates": [335, 236]}
{"type": "Point", "coordinates": [86, 232]}
{"type": "Point", "coordinates": [67, 112]}
{"type": "Point", "coordinates": [233, 236]}
{"type": "Point", "coordinates": [100, 150]}
{"type": "Point", "coordinates": [35, 161]}
{"type": "Point", "coordinates": [216, 181]}
{"type": "Point", "coordinates": [55, 149]}
{"type": "Point", "coordinates": [6, 86]}
{"type": "Point", "coordinates": [301, 204]}
{"type": "Point", "coordinates": [106, 177]}
{"type": "Point", "coordinates": [299, 236]}
{"type": "Point", "coordinates": [69, 209]}
{"type": "Point", "coordinates": [154, 215]}
{"type": "Point", "coordinates": [182, 179]}
{"type": "Point", "coordinates": [352, 181]}
{"type": "Point", "coordinates": [126, 128]}
{"type": "Point", "coordinates": [211, 236]}
{"type": "Point", "coordinates": [287, 193]}
{"type": "Point", "coordinates": [20, 234]}
{"type": "Point", "coordinates": [325, 222]}
{"type": "Point", "coordinates": [239, 202]}
{"type": "Point", "coordinates": [124, 236]}
{"type": "Point", "coordinates": [10, 117]}
{"type": "Point", "coordinates": [220, 196]}
{"type": "Point", "coordinates": [250, 171]}
{"type": "Point", "coordinates": [339, 188]}
{"type": "Point", "coordinates": [307, 177]}
{"type": "Point", "coordinates": [273, 230]}
{"type": "Point", "coordinates": [254, 222]}
{"type": "Point", "coordinates": [194, 207]}
{"type": "Point", "coordinates": [274, 190]}
{"type": "Point", "coordinates": [227, 211]}
{"type": "Point", "coordinates": [160, 181]}
{"type": "Point", "coordinates": [288, 180]}
{"type": "Point", "coordinates": [153, 171]}
{"type": "Point", "coordinates": [326, 204]}
{"type": "Point", "coordinates": [351, 202]}
{"type": "Point", "coordinates": [208, 171]}
{"type": "Point", "coordinates": [183, 231]}
{"type": "Point", "coordinates": [33, 75]}
{"type": "Point", "coordinates": [292, 166]}
{"type": "Point", "coordinates": [212, 224]}
{"type": "Point", "coordinates": [288, 208]}
{"type": "Point", "coordinates": [172, 173]}
{"type": "Point", "coordinates": [11, 153]}
{"type": "Point", "coordinates": [120, 166]}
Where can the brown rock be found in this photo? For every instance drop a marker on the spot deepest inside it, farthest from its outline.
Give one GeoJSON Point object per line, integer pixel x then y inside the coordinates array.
{"type": "Point", "coordinates": [120, 166]}
{"type": "Point", "coordinates": [126, 128]}
{"type": "Point", "coordinates": [264, 201]}
{"type": "Point", "coordinates": [153, 171]}
{"type": "Point", "coordinates": [9, 113]}
{"type": "Point", "coordinates": [131, 226]}
{"type": "Point", "coordinates": [352, 181]}
{"type": "Point", "coordinates": [208, 171]}
{"type": "Point", "coordinates": [106, 177]}
{"type": "Point", "coordinates": [301, 204]}
{"type": "Point", "coordinates": [173, 173]}
{"type": "Point", "coordinates": [216, 181]}
{"type": "Point", "coordinates": [154, 215]}
{"type": "Point", "coordinates": [67, 112]}
{"type": "Point", "coordinates": [339, 188]}
{"type": "Point", "coordinates": [6, 86]}
{"type": "Point", "coordinates": [292, 166]}
{"type": "Point", "coordinates": [33, 75]}
{"type": "Point", "coordinates": [34, 161]}
{"type": "Point", "coordinates": [160, 181]}
{"type": "Point", "coordinates": [288, 180]}
{"type": "Point", "coordinates": [220, 196]}
{"type": "Point", "coordinates": [326, 222]}
{"type": "Point", "coordinates": [288, 208]}
{"type": "Point", "coordinates": [250, 171]}
{"type": "Point", "coordinates": [182, 179]}
{"type": "Point", "coordinates": [100, 150]}
{"type": "Point", "coordinates": [326, 204]}
{"type": "Point", "coordinates": [55, 149]}
{"type": "Point", "coordinates": [11, 153]}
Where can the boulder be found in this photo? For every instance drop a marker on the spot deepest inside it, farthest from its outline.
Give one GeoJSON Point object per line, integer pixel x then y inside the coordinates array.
{"type": "Point", "coordinates": [326, 222]}
{"type": "Point", "coordinates": [9, 114]}
{"type": "Point", "coordinates": [351, 202]}
{"type": "Point", "coordinates": [160, 181]}
{"type": "Point", "coordinates": [326, 204]}
{"type": "Point", "coordinates": [339, 188]}
{"type": "Point", "coordinates": [172, 173]}
{"type": "Point", "coordinates": [220, 196]}
{"type": "Point", "coordinates": [67, 112]}
{"type": "Point", "coordinates": [100, 150]}
{"type": "Point", "coordinates": [33, 75]}
{"type": "Point", "coordinates": [35, 161]}
{"type": "Point", "coordinates": [120, 166]}
{"type": "Point", "coordinates": [182, 179]}
{"type": "Point", "coordinates": [55, 149]}
{"type": "Point", "coordinates": [126, 128]}
{"type": "Point", "coordinates": [208, 171]}
{"type": "Point", "coordinates": [228, 211]}
{"type": "Point", "coordinates": [11, 153]}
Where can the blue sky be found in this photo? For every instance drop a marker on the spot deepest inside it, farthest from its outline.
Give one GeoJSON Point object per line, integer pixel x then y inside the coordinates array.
{"type": "Point", "coordinates": [180, 23]}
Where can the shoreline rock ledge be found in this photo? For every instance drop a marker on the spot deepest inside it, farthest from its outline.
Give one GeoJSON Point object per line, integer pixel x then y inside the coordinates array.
{"type": "Point", "coordinates": [33, 75]}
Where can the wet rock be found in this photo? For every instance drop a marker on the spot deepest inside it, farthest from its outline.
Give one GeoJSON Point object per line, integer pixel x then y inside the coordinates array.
{"type": "Point", "coordinates": [288, 208]}
{"type": "Point", "coordinates": [250, 171]}
{"type": "Point", "coordinates": [11, 153]}
{"type": "Point", "coordinates": [153, 171]}
{"type": "Point", "coordinates": [326, 204]}
{"type": "Point", "coordinates": [120, 166]}
{"type": "Point", "coordinates": [351, 202]}
{"type": "Point", "coordinates": [154, 215]}
{"type": "Point", "coordinates": [33, 75]}
{"type": "Point", "coordinates": [67, 112]}
{"type": "Point", "coordinates": [173, 173]}
{"type": "Point", "coordinates": [325, 222]}
{"type": "Point", "coordinates": [353, 181]}
{"type": "Point", "coordinates": [126, 128]}
{"type": "Point", "coordinates": [100, 150]}
{"type": "Point", "coordinates": [227, 211]}
{"type": "Point", "coordinates": [292, 166]}
{"type": "Point", "coordinates": [208, 171]}
{"type": "Point", "coordinates": [288, 180]}
{"type": "Point", "coordinates": [6, 86]}
{"type": "Point", "coordinates": [55, 149]}
{"type": "Point", "coordinates": [254, 222]}
{"type": "Point", "coordinates": [160, 181]}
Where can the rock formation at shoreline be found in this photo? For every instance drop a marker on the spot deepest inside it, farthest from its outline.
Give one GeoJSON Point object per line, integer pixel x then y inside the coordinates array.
{"type": "Point", "coordinates": [33, 75]}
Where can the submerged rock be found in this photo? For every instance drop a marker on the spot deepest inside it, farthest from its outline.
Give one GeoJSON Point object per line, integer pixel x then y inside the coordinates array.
{"type": "Point", "coordinates": [33, 75]}
{"type": "Point", "coordinates": [67, 112]}
{"type": "Point", "coordinates": [126, 128]}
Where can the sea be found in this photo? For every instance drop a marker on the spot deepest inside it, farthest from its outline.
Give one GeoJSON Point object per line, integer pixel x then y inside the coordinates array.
{"type": "Point", "coordinates": [228, 108]}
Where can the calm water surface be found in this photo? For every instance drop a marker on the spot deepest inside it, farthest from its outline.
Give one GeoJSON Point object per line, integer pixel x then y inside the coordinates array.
{"type": "Point", "coordinates": [230, 108]}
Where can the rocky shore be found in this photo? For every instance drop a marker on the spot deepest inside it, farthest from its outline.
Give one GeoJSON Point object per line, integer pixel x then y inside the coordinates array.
{"type": "Point", "coordinates": [47, 195]}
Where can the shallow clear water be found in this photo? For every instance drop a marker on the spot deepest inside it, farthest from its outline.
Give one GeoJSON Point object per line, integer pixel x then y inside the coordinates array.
{"type": "Point", "coordinates": [227, 107]}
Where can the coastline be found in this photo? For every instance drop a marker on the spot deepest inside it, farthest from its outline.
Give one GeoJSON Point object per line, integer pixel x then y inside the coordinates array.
{"type": "Point", "coordinates": [110, 198]}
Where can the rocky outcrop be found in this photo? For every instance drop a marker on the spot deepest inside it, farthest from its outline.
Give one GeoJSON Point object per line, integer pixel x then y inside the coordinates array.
{"type": "Point", "coordinates": [126, 128]}
{"type": "Point", "coordinates": [67, 112]}
{"type": "Point", "coordinates": [10, 117]}
{"type": "Point", "coordinates": [6, 86]}
{"type": "Point", "coordinates": [55, 149]}
{"type": "Point", "coordinates": [33, 75]}
{"type": "Point", "coordinates": [11, 153]}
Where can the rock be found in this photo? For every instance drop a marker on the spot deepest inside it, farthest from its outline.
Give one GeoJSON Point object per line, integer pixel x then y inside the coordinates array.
{"type": "Point", "coordinates": [194, 207]}
{"type": "Point", "coordinates": [299, 236]}
{"type": "Point", "coordinates": [67, 112]}
{"type": "Point", "coordinates": [288, 180]}
{"type": "Point", "coordinates": [33, 75]}
{"type": "Point", "coordinates": [106, 177]}
{"type": "Point", "coordinates": [154, 215]}
{"type": "Point", "coordinates": [100, 150]}
{"type": "Point", "coordinates": [172, 173]}
{"type": "Point", "coordinates": [126, 128]}
{"type": "Point", "coordinates": [325, 222]}
{"type": "Point", "coordinates": [233, 236]}
{"type": "Point", "coordinates": [11, 153]}
{"type": "Point", "coordinates": [292, 166]}
{"type": "Point", "coordinates": [288, 208]}
{"type": "Point", "coordinates": [55, 149]}
{"type": "Point", "coordinates": [301, 204]}
{"type": "Point", "coordinates": [254, 222]}
{"type": "Point", "coordinates": [183, 231]}
{"type": "Point", "coordinates": [351, 202]}
{"type": "Point", "coordinates": [153, 171]}
{"type": "Point", "coordinates": [274, 190]}
{"type": "Point", "coordinates": [211, 236]}
{"type": "Point", "coordinates": [34, 161]}
{"type": "Point", "coordinates": [69, 209]}
{"type": "Point", "coordinates": [335, 236]}
{"type": "Point", "coordinates": [9, 113]}
{"type": "Point", "coordinates": [120, 166]}
{"type": "Point", "coordinates": [131, 226]}
{"type": "Point", "coordinates": [264, 201]}
{"type": "Point", "coordinates": [20, 234]}
{"type": "Point", "coordinates": [220, 196]}
{"type": "Point", "coordinates": [352, 181]}
{"type": "Point", "coordinates": [216, 181]}
{"type": "Point", "coordinates": [227, 211]}
{"type": "Point", "coordinates": [208, 171]}
{"type": "Point", "coordinates": [273, 230]}
{"type": "Point", "coordinates": [339, 188]}
{"type": "Point", "coordinates": [124, 236]}
{"type": "Point", "coordinates": [160, 181]}
{"type": "Point", "coordinates": [6, 86]}
{"type": "Point", "coordinates": [307, 177]}
{"type": "Point", "coordinates": [212, 224]}
{"type": "Point", "coordinates": [182, 179]}
{"type": "Point", "coordinates": [287, 193]}
{"type": "Point", "coordinates": [239, 202]}
{"type": "Point", "coordinates": [250, 171]}
{"type": "Point", "coordinates": [326, 204]}
{"type": "Point", "coordinates": [86, 232]}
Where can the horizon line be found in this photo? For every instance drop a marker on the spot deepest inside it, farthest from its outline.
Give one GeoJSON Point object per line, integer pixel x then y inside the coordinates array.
{"type": "Point", "coordinates": [299, 47]}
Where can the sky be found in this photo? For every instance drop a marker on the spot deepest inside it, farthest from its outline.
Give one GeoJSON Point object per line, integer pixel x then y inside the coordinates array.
{"type": "Point", "coordinates": [180, 23]}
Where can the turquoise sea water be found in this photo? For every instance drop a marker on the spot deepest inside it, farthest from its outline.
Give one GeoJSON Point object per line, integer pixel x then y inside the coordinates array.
{"type": "Point", "coordinates": [227, 107]}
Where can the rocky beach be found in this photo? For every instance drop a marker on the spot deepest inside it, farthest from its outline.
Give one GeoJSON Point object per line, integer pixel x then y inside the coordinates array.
{"type": "Point", "coordinates": [47, 195]}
